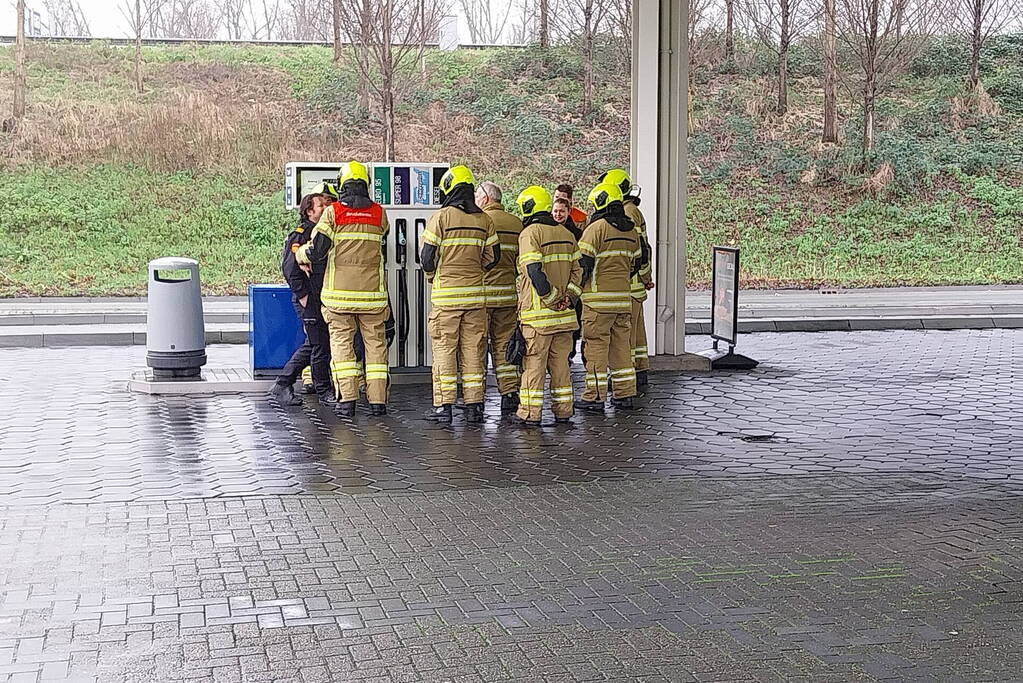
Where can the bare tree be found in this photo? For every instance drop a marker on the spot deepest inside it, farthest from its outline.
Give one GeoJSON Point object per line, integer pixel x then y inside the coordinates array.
{"type": "Point", "coordinates": [389, 50]}
{"type": "Point", "coordinates": [486, 19]}
{"type": "Point", "coordinates": [620, 29]}
{"type": "Point", "coordinates": [140, 15]}
{"type": "Point", "coordinates": [20, 85]}
{"type": "Point", "coordinates": [197, 19]}
{"type": "Point", "coordinates": [700, 48]}
{"type": "Point", "coordinates": [235, 17]}
{"type": "Point", "coordinates": [266, 19]}
{"type": "Point", "coordinates": [830, 134]}
{"type": "Point", "coordinates": [66, 18]}
{"type": "Point", "coordinates": [777, 24]}
{"type": "Point", "coordinates": [882, 37]}
{"type": "Point", "coordinates": [305, 19]}
{"type": "Point", "coordinates": [979, 20]}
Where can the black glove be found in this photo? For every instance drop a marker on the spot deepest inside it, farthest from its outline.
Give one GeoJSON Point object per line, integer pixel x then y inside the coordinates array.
{"type": "Point", "coordinates": [389, 327]}
{"type": "Point", "coordinates": [516, 350]}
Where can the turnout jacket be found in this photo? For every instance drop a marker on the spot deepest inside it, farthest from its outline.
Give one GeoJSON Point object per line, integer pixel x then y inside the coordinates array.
{"type": "Point", "coordinates": [644, 276]}
{"type": "Point", "coordinates": [349, 241]}
{"type": "Point", "coordinates": [549, 263]}
{"type": "Point", "coordinates": [611, 253]}
{"type": "Point", "coordinates": [458, 246]}
{"type": "Point", "coordinates": [499, 282]}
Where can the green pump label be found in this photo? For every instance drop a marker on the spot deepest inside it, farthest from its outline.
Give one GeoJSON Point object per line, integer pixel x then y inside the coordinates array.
{"type": "Point", "coordinates": [382, 184]}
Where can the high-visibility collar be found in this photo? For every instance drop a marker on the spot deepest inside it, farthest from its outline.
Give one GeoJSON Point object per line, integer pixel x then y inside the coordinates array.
{"type": "Point", "coordinates": [346, 215]}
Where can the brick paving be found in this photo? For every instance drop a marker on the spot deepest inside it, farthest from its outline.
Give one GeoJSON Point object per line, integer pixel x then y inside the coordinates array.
{"type": "Point", "coordinates": [848, 511]}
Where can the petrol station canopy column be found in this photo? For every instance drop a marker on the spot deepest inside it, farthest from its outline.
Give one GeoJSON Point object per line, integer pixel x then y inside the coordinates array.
{"type": "Point", "coordinates": [660, 89]}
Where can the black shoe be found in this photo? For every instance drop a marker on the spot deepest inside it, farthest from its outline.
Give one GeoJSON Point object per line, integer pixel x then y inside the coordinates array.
{"type": "Point", "coordinates": [439, 414]}
{"type": "Point", "coordinates": [642, 380]}
{"type": "Point", "coordinates": [327, 399]}
{"type": "Point", "coordinates": [474, 413]}
{"type": "Point", "coordinates": [526, 423]}
{"type": "Point", "coordinates": [562, 420]}
{"type": "Point", "coordinates": [591, 406]}
{"type": "Point", "coordinates": [344, 408]}
{"type": "Point", "coordinates": [509, 403]}
{"type": "Point", "coordinates": [308, 389]}
{"type": "Point", "coordinates": [623, 403]}
{"type": "Point", "coordinates": [285, 395]}
{"type": "Point", "coordinates": [377, 409]}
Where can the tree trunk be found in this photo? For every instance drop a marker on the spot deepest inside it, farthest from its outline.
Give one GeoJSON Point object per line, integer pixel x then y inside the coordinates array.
{"type": "Point", "coordinates": [387, 96]}
{"type": "Point", "coordinates": [138, 46]}
{"type": "Point", "coordinates": [729, 30]}
{"type": "Point", "coordinates": [20, 86]}
{"type": "Point", "coordinates": [783, 57]}
{"type": "Point", "coordinates": [545, 29]}
{"type": "Point", "coordinates": [337, 29]}
{"type": "Point", "coordinates": [869, 98]}
{"type": "Point", "coordinates": [830, 76]}
{"type": "Point", "coordinates": [362, 54]}
{"type": "Point", "coordinates": [975, 42]}
{"type": "Point", "coordinates": [588, 58]}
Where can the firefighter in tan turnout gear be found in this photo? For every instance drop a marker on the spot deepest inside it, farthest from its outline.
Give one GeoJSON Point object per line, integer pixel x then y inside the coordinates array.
{"type": "Point", "coordinates": [611, 255]}
{"type": "Point", "coordinates": [499, 290]}
{"type": "Point", "coordinates": [349, 238]}
{"type": "Point", "coordinates": [547, 291]}
{"type": "Point", "coordinates": [642, 281]}
{"type": "Point", "coordinates": [459, 246]}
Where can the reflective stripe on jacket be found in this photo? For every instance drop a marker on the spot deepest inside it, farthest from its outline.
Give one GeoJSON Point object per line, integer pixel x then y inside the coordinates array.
{"type": "Point", "coordinates": [644, 276]}
{"type": "Point", "coordinates": [615, 252]}
{"type": "Point", "coordinates": [354, 281]}
{"type": "Point", "coordinates": [499, 282]}
{"type": "Point", "coordinates": [555, 249]}
{"type": "Point", "coordinates": [465, 245]}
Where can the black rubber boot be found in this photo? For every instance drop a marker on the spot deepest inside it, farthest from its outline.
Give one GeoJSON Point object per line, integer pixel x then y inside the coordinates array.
{"type": "Point", "coordinates": [623, 403]}
{"type": "Point", "coordinates": [526, 423]}
{"type": "Point", "coordinates": [377, 409]}
{"type": "Point", "coordinates": [562, 420]}
{"type": "Point", "coordinates": [590, 406]}
{"type": "Point", "coordinates": [509, 403]}
{"type": "Point", "coordinates": [285, 395]}
{"type": "Point", "coordinates": [474, 413]}
{"type": "Point", "coordinates": [642, 380]}
{"type": "Point", "coordinates": [345, 409]}
{"type": "Point", "coordinates": [439, 414]}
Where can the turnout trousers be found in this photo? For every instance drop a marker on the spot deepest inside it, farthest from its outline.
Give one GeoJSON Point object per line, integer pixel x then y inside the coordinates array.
{"type": "Point", "coordinates": [314, 352]}
{"type": "Point", "coordinates": [608, 354]}
{"type": "Point", "coordinates": [459, 350]}
{"type": "Point", "coordinates": [640, 356]}
{"type": "Point", "coordinates": [545, 354]}
{"type": "Point", "coordinates": [501, 323]}
{"type": "Point", "coordinates": [345, 366]}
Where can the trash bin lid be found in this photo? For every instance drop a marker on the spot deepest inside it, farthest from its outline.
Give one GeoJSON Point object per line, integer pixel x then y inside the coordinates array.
{"type": "Point", "coordinates": [172, 263]}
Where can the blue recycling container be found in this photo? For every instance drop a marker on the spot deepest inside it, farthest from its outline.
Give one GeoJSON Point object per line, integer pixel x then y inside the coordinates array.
{"type": "Point", "coordinates": [274, 329]}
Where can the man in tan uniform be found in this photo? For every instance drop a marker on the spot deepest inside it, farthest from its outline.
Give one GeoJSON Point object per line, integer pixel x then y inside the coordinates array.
{"type": "Point", "coordinates": [459, 245]}
{"type": "Point", "coordinates": [349, 237]}
{"type": "Point", "coordinates": [610, 254]}
{"type": "Point", "coordinates": [499, 289]}
{"type": "Point", "coordinates": [549, 261]}
{"type": "Point", "coordinates": [642, 281]}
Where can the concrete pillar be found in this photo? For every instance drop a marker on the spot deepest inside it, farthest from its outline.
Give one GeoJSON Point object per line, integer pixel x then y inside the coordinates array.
{"type": "Point", "coordinates": [660, 93]}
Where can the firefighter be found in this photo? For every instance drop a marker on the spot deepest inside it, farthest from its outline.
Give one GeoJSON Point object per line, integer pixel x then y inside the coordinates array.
{"type": "Point", "coordinates": [314, 354]}
{"type": "Point", "coordinates": [349, 240]}
{"type": "Point", "coordinates": [549, 261]}
{"type": "Point", "coordinates": [611, 255]}
{"type": "Point", "coordinates": [499, 289]}
{"type": "Point", "coordinates": [459, 245]}
{"type": "Point", "coordinates": [642, 282]}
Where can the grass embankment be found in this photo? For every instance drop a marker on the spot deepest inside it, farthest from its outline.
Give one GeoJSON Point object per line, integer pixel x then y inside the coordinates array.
{"type": "Point", "coordinates": [100, 180]}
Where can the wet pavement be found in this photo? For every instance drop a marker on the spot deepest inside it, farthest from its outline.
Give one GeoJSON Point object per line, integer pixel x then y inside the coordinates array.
{"type": "Point", "coordinates": [849, 510]}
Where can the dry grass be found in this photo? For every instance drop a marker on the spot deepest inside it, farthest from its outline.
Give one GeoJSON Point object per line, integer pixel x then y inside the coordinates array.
{"type": "Point", "coordinates": [878, 183]}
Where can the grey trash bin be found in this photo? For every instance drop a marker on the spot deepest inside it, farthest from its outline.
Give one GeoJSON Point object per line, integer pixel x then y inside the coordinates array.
{"type": "Point", "coordinates": [175, 332]}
